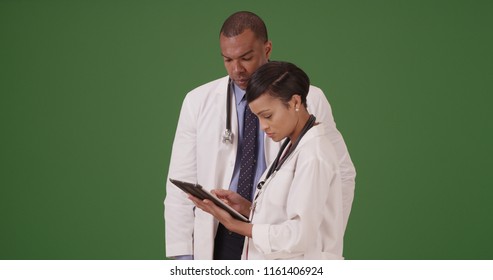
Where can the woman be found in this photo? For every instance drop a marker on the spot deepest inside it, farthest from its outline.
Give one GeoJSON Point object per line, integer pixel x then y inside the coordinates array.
{"type": "Point", "coordinates": [297, 210]}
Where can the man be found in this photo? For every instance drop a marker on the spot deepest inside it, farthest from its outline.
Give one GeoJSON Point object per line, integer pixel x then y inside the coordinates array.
{"type": "Point", "coordinates": [202, 153]}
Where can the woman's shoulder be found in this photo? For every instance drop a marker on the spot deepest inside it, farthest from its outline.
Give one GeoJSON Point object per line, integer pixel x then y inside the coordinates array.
{"type": "Point", "coordinates": [316, 143]}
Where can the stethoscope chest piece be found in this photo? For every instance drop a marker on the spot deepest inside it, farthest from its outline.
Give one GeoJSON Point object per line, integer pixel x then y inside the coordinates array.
{"type": "Point", "coordinates": [228, 136]}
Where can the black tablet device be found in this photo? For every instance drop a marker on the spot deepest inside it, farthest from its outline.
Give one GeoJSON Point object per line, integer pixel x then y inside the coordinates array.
{"type": "Point", "coordinates": [199, 192]}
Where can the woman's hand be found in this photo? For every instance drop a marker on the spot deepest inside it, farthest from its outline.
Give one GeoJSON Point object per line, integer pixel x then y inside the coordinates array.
{"type": "Point", "coordinates": [211, 208]}
{"type": "Point", "coordinates": [222, 216]}
{"type": "Point", "coordinates": [234, 200]}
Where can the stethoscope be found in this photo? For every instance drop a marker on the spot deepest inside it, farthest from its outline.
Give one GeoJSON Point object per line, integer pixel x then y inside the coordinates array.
{"type": "Point", "coordinates": [228, 134]}
{"type": "Point", "coordinates": [281, 157]}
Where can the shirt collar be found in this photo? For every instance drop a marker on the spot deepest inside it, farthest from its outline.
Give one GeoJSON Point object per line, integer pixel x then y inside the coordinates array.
{"type": "Point", "coordinates": [239, 93]}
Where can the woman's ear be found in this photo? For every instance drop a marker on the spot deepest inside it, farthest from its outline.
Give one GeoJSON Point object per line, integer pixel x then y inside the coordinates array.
{"type": "Point", "coordinates": [295, 102]}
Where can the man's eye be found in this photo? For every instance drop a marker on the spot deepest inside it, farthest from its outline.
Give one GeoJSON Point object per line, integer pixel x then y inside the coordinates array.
{"type": "Point", "coordinates": [267, 117]}
{"type": "Point", "coordinates": [247, 58]}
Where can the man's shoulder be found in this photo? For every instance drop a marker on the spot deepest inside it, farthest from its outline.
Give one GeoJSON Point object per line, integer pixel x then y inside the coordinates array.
{"type": "Point", "coordinates": [315, 95]}
{"type": "Point", "coordinates": [314, 90]}
{"type": "Point", "coordinates": [210, 87]}
{"type": "Point", "coordinates": [206, 94]}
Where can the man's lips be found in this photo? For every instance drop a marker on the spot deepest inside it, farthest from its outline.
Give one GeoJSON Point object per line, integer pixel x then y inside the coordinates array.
{"type": "Point", "coordinates": [241, 81]}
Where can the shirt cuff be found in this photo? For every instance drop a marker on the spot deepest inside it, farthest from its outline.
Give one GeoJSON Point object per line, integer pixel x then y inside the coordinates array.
{"type": "Point", "coordinates": [183, 258]}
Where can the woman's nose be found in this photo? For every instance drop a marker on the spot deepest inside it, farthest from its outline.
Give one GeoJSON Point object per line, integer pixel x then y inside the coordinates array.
{"type": "Point", "coordinates": [263, 125]}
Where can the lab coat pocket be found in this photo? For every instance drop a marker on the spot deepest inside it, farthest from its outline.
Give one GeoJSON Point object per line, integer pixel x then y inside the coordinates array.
{"type": "Point", "coordinates": [278, 189]}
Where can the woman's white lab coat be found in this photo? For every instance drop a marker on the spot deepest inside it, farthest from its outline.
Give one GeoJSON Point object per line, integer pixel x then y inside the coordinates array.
{"type": "Point", "coordinates": [298, 213]}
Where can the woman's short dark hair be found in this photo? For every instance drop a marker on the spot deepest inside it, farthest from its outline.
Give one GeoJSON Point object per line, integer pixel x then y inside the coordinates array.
{"type": "Point", "coordinates": [280, 80]}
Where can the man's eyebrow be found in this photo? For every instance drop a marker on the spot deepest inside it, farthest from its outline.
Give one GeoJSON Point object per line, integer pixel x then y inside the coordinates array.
{"type": "Point", "coordinates": [248, 52]}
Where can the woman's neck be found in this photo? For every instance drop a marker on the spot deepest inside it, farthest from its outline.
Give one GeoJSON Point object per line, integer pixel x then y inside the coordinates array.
{"type": "Point", "coordinates": [303, 119]}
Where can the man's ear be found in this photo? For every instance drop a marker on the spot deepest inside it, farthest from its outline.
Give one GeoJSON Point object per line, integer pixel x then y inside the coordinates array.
{"type": "Point", "coordinates": [268, 49]}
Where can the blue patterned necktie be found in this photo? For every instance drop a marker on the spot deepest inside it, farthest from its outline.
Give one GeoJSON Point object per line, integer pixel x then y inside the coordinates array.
{"type": "Point", "coordinates": [248, 154]}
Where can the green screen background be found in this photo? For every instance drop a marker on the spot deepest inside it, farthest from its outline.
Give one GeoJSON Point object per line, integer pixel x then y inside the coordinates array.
{"type": "Point", "coordinates": [91, 92]}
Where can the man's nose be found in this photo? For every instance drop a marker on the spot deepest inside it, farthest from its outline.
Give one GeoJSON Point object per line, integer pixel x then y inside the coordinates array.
{"type": "Point", "coordinates": [237, 67]}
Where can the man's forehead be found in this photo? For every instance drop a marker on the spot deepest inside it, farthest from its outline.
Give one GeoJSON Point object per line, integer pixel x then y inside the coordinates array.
{"type": "Point", "coordinates": [237, 48]}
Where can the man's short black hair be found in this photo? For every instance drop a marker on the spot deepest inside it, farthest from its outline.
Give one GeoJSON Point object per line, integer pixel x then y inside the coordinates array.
{"type": "Point", "coordinates": [240, 21]}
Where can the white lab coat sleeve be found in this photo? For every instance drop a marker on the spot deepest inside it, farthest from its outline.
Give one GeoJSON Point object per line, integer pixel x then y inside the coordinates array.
{"type": "Point", "coordinates": [179, 210]}
{"type": "Point", "coordinates": [319, 106]}
{"type": "Point", "coordinates": [307, 206]}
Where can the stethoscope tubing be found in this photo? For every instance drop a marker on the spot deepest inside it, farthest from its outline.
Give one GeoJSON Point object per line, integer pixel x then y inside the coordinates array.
{"type": "Point", "coordinates": [228, 134]}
